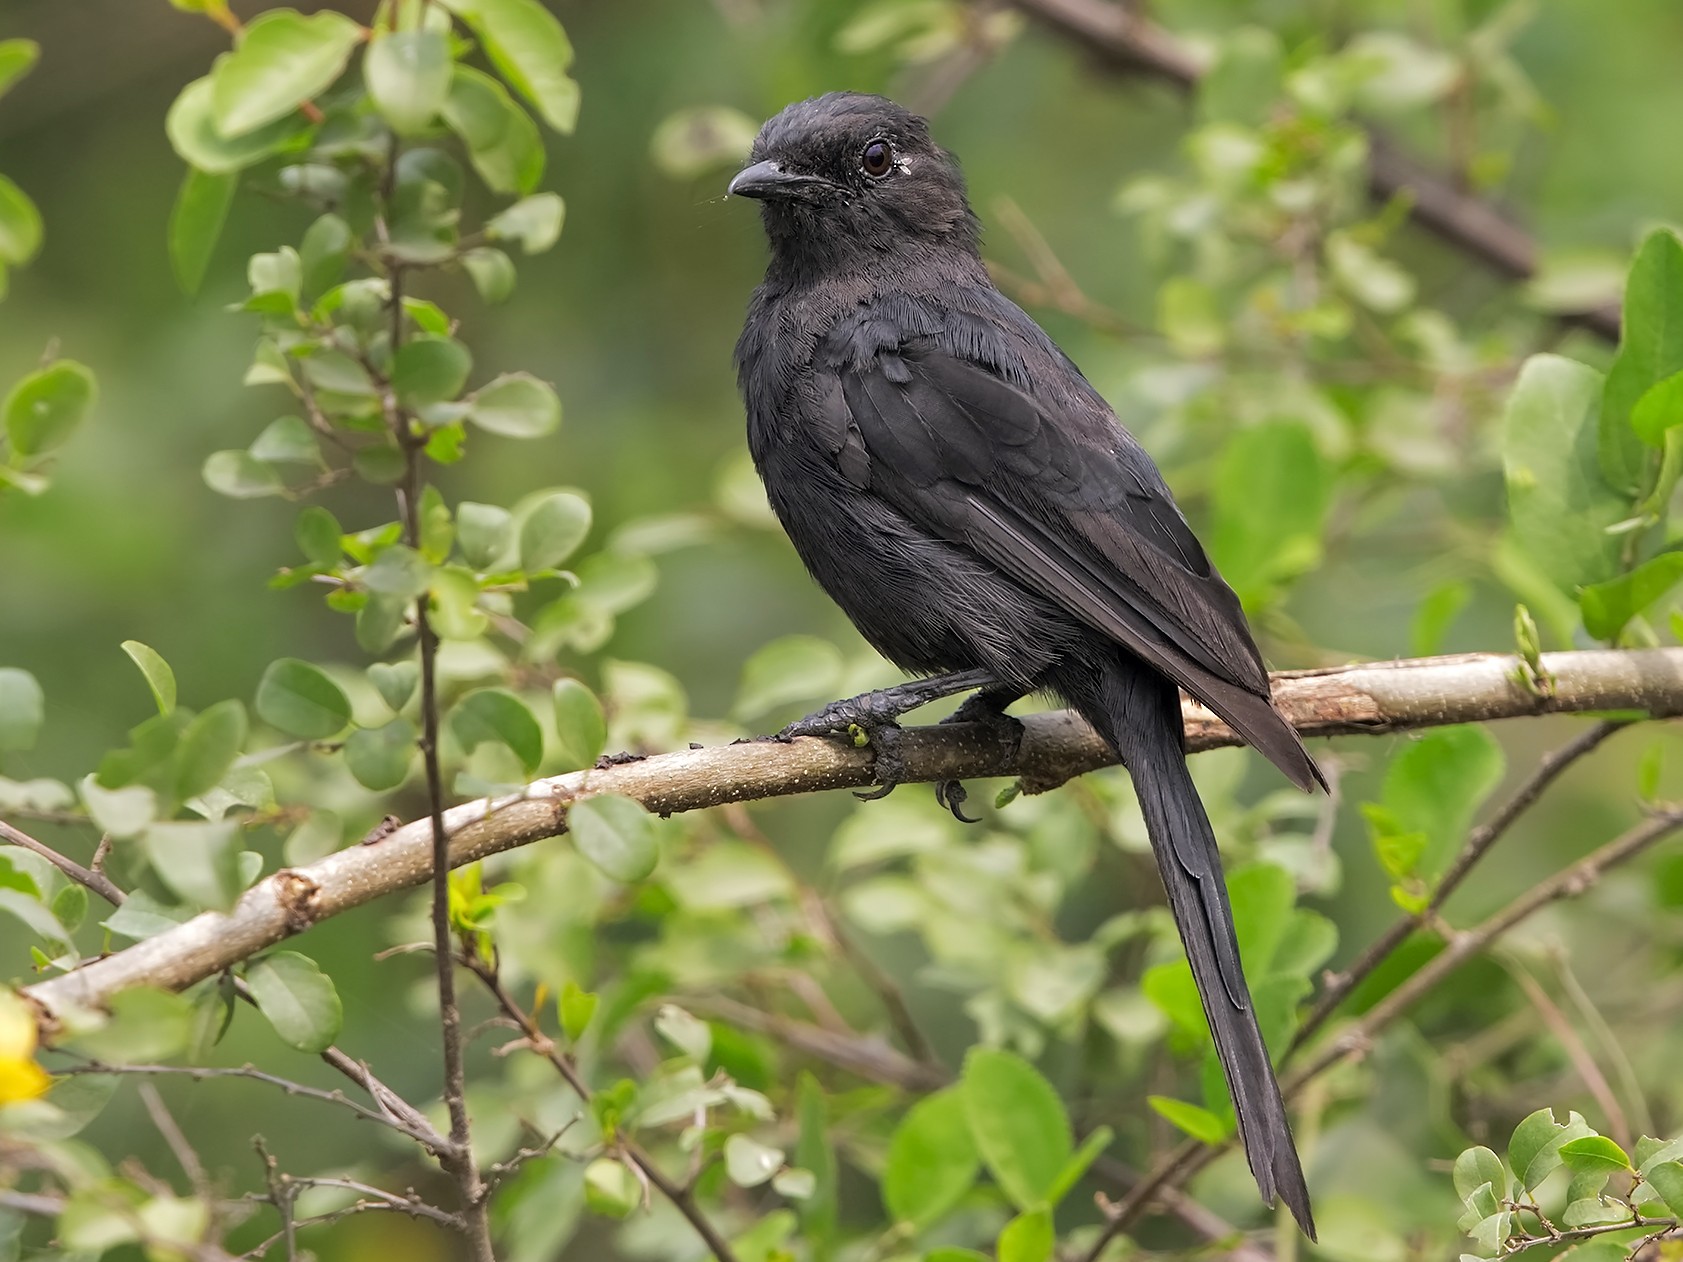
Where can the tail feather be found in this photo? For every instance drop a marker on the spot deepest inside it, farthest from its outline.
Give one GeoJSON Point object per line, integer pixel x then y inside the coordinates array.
{"type": "Point", "coordinates": [1138, 711]}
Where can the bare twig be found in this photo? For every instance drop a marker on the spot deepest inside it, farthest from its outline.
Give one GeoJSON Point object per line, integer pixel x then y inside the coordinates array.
{"type": "Point", "coordinates": [1478, 844]}
{"type": "Point", "coordinates": [1137, 46]}
{"type": "Point", "coordinates": [204, 1073]}
{"type": "Point", "coordinates": [185, 1157]}
{"type": "Point", "coordinates": [1367, 699]}
{"type": "Point", "coordinates": [90, 878]}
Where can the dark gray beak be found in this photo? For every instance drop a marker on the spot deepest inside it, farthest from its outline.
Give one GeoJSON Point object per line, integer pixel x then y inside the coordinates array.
{"type": "Point", "coordinates": [768, 181]}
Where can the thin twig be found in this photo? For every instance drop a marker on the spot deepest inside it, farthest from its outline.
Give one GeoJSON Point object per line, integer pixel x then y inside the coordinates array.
{"type": "Point", "coordinates": [185, 1157]}
{"type": "Point", "coordinates": [461, 1162]}
{"type": "Point", "coordinates": [204, 1073]}
{"type": "Point", "coordinates": [1588, 1071]}
{"type": "Point", "coordinates": [89, 878]}
{"type": "Point", "coordinates": [1479, 842]}
{"type": "Point", "coordinates": [682, 1197]}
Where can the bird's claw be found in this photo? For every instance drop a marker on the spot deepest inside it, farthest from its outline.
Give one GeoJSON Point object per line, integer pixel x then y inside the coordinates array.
{"type": "Point", "coordinates": [952, 794]}
{"type": "Point", "coordinates": [888, 764]}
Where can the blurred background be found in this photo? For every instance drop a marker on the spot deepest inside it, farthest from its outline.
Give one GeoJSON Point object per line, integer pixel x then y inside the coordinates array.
{"type": "Point", "coordinates": [633, 316]}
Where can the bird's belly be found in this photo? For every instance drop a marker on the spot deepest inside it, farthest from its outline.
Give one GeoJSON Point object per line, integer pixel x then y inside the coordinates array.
{"type": "Point", "coordinates": [924, 603]}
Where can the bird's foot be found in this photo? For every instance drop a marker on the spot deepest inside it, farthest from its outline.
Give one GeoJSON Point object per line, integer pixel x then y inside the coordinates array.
{"type": "Point", "coordinates": [888, 761]}
{"type": "Point", "coordinates": [872, 710]}
{"type": "Point", "coordinates": [986, 710]}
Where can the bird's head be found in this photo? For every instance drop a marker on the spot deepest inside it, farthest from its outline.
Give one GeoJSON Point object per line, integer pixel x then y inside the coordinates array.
{"type": "Point", "coordinates": [847, 175]}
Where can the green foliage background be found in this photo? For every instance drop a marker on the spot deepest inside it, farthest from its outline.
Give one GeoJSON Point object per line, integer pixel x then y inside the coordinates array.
{"type": "Point", "coordinates": [1345, 461]}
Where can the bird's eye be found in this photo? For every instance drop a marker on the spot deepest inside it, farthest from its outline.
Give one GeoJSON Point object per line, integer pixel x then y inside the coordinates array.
{"type": "Point", "coordinates": [877, 158]}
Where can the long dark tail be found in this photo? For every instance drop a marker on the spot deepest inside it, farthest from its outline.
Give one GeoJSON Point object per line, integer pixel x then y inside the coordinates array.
{"type": "Point", "coordinates": [1138, 712]}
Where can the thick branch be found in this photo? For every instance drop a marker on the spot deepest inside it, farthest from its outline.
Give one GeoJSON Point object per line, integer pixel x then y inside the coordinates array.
{"type": "Point", "coordinates": [1376, 698]}
{"type": "Point", "coordinates": [1469, 223]}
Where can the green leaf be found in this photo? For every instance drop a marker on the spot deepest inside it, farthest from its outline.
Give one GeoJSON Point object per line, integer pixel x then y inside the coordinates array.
{"type": "Point", "coordinates": [16, 58]}
{"type": "Point", "coordinates": [1434, 785]}
{"type": "Point", "coordinates": [553, 530]}
{"type": "Point", "coordinates": [610, 1189]}
{"type": "Point", "coordinates": [1027, 1238]}
{"type": "Point", "coordinates": [282, 60]}
{"type": "Point", "coordinates": [20, 224]}
{"type": "Point", "coordinates": [44, 409]}
{"type": "Point", "coordinates": [193, 133]}
{"type": "Point", "coordinates": [792, 668]}
{"type": "Point", "coordinates": [430, 370]}
{"type": "Point", "coordinates": [495, 714]}
{"type": "Point", "coordinates": [208, 748]}
{"type": "Point", "coordinates": [455, 605]}
{"type": "Point", "coordinates": [70, 906]}
{"type": "Point", "coordinates": [1658, 409]}
{"type": "Point", "coordinates": [1534, 1150]}
{"type": "Point", "coordinates": [576, 1007]}
{"type": "Point", "coordinates": [529, 49]}
{"type": "Point", "coordinates": [1650, 350]}
{"type": "Point", "coordinates": [240, 475]}
{"type": "Point", "coordinates": [124, 812]}
{"type": "Point", "coordinates": [22, 708]}
{"type": "Point", "coordinates": [750, 1163]}
{"type": "Point", "coordinates": [516, 405]}
{"type": "Point", "coordinates": [319, 534]}
{"type": "Point", "coordinates": [323, 252]}
{"type": "Point", "coordinates": [201, 208]}
{"type": "Point", "coordinates": [143, 1025]}
{"type": "Point", "coordinates": [502, 141]}
{"type": "Point", "coordinates": [616, 835]}
{"type": "Point", "coordinates": [533, 221]}
{"type": "Point", "coordinates": [399, 572]}
{"type": "Point", "coordinates": [482, 533]}
{"type": "Point", "coordinates": [395, 682]}
{"type": "Point", "coordinates": [1666, 1178]}
{"type": "Point", "coordinates": [1609, 606]}
{"type": "Point", "coordinates": [1196, 1121]}
{"type": "Point", "coordinates": [1558, 502]}
{"type": "Point", "coordinates": [1091, 1149]}
{"type": "Point", "coordinates": [301, 700]}
{"type": "Point", "coordinates": [298, 999]}
{"type": "Point", "coordinates": [1432, 620]}
{"type": "Point", "coordinates": [141, 916]}
{"type": "Point", "coordinates": [581, 729]}
{"type": "Point", "coordinates": [701, 139]}
{"type": "Point", "coordinates": [491, 271]}
{"type": "Point", "coordinates": [408, 77]}
{"type": "Point", "coordinates": [1018, 1122]}
{"type": "Point", "coordinates": [379, 463]}
{"type": "Point", "coordinates": [1594, 1153]}
{"type": "Point", "coordinates": [815, 1152]}
{"type": "Point", "coordinates": [198, 860]}
{"type": "Point", "coordinates": [379, 757]}
{"type": "Point", "coordinates": [286, 440]}
{"type": "Point", "coordinates": [1271, 496]}
{"type": "Point", "coordinates": [932, 1160]}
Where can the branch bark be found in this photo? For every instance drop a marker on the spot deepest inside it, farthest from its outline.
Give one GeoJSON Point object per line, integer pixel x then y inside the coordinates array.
{"type": "Point", "coordinates": [1362, 699]}
{"type": "Point", "coordinates": [1134, 44]}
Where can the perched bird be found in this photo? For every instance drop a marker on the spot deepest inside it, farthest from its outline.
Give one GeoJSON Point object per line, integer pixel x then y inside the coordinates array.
{"type": "Point", "coordinates": [954, 483]}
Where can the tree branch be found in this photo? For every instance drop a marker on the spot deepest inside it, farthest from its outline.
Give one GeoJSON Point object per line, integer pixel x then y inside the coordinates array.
{"type": "Point", "coordinates": [1362, 699]}
{"type": "Point", "coordinates": [91, 878]}
{"type": "Point", "coordinates": [1130, 42]}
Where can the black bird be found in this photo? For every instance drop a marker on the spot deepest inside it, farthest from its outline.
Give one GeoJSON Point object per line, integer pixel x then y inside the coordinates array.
{"type": "Point", "coordinates": [954, 483]}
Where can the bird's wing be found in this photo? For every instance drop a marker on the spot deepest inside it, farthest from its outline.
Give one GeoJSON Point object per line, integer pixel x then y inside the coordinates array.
{"type": "Point", "coordinates": [1070, 509]}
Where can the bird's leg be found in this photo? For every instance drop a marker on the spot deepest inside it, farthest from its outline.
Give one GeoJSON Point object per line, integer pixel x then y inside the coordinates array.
{"type": "Point", "coordinates": [873, 717]}
{"type": "Point", "coordinates": [985, 709]}
{"type": "Point", "coordinates": [884, 707]}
